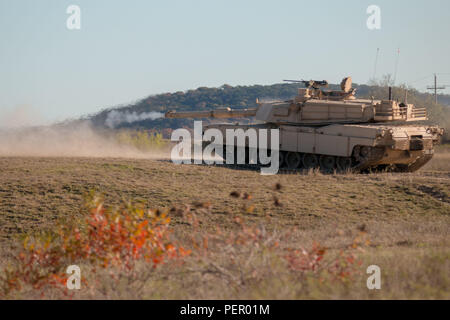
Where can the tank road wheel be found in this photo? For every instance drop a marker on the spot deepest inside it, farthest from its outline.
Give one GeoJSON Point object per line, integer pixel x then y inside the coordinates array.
{"type": "Point", "coordinates": [327, 163]}
{"type": "Point", "coordinates": [310, 161]}
{"type": "Point", "coordinates": [282, 158]}
{"type": "Point", "coordinates": [399, 168]}
{"type": "Point", "coordinates": [344, 164]}
{"type": "Point", "coordinates": [365, 152]}
{"type": "Point", "coordinates": [293, 160]}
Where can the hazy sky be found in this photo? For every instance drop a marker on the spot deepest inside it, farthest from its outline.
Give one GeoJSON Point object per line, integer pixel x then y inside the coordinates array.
{"type": "Point", "coordinates": [126, 50]}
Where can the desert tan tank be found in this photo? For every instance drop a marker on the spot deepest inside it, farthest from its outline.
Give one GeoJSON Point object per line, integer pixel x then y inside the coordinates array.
{"type": "Point", "coordinates": [333, 130]}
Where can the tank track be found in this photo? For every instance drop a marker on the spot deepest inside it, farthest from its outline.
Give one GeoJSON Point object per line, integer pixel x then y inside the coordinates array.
{"type": "Point", "coordinates": [416, 165]}
{"type": "Point", "coordinates": [420, 162]}
{"type": "Point", "coordinates": [296, 162]}
{"type": "Point", "coordinates": [363, 160]}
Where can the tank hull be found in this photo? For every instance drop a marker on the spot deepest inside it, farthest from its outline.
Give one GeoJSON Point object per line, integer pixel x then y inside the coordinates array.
{"type": "Point", "coordinates": [350, 147]}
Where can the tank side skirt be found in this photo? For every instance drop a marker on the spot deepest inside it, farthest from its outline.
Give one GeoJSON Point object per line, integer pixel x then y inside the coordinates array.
{"type": "Point", "coordinates": [311, 142]}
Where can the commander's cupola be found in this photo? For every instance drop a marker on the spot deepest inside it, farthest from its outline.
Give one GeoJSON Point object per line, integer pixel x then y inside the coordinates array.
{"type": "Point", "coordinates": [314, 90]}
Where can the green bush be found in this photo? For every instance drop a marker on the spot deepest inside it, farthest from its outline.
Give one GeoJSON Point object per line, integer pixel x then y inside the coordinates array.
{"type": "Point", "coordinates": [141, 139]}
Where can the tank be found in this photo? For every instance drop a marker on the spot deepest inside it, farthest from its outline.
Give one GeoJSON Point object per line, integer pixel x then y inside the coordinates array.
{"type": "Point", "coordinates": [332, 130]}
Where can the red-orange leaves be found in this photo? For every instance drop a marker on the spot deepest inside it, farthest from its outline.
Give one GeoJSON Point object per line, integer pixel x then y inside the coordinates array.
{"type": "Point", "coordinates": [118, 238]}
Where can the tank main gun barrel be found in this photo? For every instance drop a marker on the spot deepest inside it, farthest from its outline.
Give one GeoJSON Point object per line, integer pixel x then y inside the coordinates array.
{"type": "Point", "coordinates": [218, 113]}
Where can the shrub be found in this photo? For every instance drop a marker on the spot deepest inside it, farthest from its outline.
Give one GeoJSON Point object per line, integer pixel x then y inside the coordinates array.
{"type": "Point", "coordinates": [141, 139]}
{"type": "Point", "coordinates": [107, 237]}
{"type": "Point", "coordinates": [126, 245]}
{"type": "Point", "coordinates": [251, 254]}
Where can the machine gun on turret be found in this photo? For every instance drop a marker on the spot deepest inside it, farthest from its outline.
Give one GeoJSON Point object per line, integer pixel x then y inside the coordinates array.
{"type": "Point", "coordinates": [315, 84]}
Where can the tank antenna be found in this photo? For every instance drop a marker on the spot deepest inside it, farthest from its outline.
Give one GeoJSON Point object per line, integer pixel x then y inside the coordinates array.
{"type": "Point", "coordinates": [396, 66]}
{"type": "Point", "coordinates": [376, 63]}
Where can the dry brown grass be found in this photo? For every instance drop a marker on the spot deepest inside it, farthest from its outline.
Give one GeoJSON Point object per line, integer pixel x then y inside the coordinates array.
{"type": "Point", "coordinates": [406, 217]}
{"type": "Point", "coordinates": [441, 160]}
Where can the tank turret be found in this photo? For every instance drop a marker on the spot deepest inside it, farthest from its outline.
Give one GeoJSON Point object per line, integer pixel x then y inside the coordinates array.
{"type": "Point", "coordinates": [314, 106]}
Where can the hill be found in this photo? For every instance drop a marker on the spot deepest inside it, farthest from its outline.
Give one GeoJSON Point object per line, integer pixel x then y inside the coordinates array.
{"type": "Point", "coordinates": [205, 98]}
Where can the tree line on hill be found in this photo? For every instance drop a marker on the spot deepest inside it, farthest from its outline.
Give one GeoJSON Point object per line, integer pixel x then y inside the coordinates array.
{"type": "Point", "coordinates": [204, 98]}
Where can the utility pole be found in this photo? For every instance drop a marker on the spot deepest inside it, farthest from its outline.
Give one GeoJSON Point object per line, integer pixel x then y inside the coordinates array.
{"type": "Point", "coordinates": [436, 88]}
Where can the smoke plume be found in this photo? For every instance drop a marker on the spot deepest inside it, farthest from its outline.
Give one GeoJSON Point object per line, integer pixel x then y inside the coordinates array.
{"type": "Point", "coordinates": [115, 118]}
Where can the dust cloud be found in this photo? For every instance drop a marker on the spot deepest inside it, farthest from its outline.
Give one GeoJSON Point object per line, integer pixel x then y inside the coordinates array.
{"type": "Point", "coordinates": [23, 115]}
{"type": "Point", "coordinates": [75, 139]}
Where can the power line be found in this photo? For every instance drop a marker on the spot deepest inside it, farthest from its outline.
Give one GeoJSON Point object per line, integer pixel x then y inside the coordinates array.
{"type": "Point", "coordinates": [420, 79]}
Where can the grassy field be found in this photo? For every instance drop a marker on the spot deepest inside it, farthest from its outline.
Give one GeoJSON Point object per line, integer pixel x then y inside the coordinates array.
{"type": "Point", "coordinates": [400, 222]}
